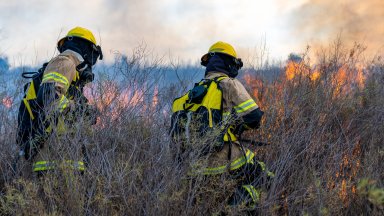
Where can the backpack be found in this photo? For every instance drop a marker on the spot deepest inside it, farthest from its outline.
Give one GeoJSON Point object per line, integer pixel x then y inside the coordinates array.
{"type": "Point", "coordinates": [29, 122]}
{"type": "Point", "coordinates": [198, 114]}
{"type": "Point", "coordinates": [28, 110]}
{"type": "Point", "coordinates": [30, 91]}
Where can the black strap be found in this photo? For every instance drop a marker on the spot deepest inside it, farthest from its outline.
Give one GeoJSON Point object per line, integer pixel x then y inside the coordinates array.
{"type": "Point", "coordinates": [33, 74]}
{"type": "Point", "coordinates": [29, 74]}
{"type": "Point", "coordinates": [186, 108]}
{"type": "Point", "coordinates": [216, 79]}
{"type": "Point", "coordinates": [230, 150]}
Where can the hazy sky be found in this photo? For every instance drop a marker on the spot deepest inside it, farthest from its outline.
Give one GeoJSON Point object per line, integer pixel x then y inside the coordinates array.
{"type": "Point", "coordinates": [184, 29]}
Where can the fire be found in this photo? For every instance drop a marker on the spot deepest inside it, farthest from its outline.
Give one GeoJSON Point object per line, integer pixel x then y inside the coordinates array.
{"type": "Point", "coordinates": [257, 86]}
{"type": "Point", "coordinates": [348, 78]}
{"type": "Point", "coordinates": [360, 77]}
{"type": "Point", "coordinates": [291, 70]}
{"type": "Point", "coordinates": [340, 80]}
{"type": "Point", "coordinates": [7, 102]}
{"type": "Point", "coordinates": [248, 79]}
{"type": "Point", "coordinates": [345, 79]}
{"type": "Point", "coordinates": [315, 75]}
{"type": "Point", "coordinates": [296, 69]}
{"type": "Point", "coordinates": [112, 101]}
{"type": "Point", "coordinates": [349, 167]}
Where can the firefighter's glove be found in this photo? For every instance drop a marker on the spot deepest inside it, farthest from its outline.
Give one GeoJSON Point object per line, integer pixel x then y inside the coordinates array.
{"type": "Point", "coordinates": [240, 129]}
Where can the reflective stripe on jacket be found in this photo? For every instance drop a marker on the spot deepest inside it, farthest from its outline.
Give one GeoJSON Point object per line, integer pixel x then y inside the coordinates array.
{"type": "Point", "coordinates": [235, 164]}
{"type": "Point", "coordinates": [51, 165]}
{"type": "Point", "coordinates": [235, 97]}
{"type": "Point", "coordinates": [61, 71]}
{"type": "Point", "coordinates": [253, 193]}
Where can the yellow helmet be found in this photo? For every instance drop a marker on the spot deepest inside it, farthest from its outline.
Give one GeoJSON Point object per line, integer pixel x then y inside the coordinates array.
{"type": "Point", "coordinates": [78, 32]}
{"type": "Point", "coordinates": [220, 47]}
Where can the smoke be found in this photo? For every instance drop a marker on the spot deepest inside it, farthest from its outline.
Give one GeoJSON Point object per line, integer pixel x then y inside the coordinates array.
{"type": "Point", "coordinates": [182, 29]}
{"type": "Point", "coordinates": [165, 27]}
{"type": "Point", "coordinates": [319, 21]}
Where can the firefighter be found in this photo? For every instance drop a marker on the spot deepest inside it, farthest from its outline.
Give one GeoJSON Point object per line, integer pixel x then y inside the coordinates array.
{"type": "Point", "coordinates": [233, 111]}
{"type": "Point", "coordinates": [52, 96]}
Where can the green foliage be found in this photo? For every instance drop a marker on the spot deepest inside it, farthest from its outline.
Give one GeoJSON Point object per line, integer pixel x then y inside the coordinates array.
{"type": "Point", "coordinates": [368, 189]}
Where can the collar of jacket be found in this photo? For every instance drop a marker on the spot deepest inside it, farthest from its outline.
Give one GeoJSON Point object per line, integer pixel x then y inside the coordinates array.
{"type": "Point", "coordinates": [214, 74]}
{"type": "Point", "coordinates": [77, 55]}
{"type": "Point", "coordinates": [216, 64]}
{"type": "Point", "coordinates": [82, 64]}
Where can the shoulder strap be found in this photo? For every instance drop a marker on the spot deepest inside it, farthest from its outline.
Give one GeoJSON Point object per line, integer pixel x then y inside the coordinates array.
{"type": "Point", "coordinates": [218, 79]}
{"type": "Point", "coordinates": [33, 74]}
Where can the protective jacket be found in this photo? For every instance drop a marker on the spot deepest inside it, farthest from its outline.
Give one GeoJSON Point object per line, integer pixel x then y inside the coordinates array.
{"type": "Point", "coordinates": [208, 120]}
{"type": "Point", "coordinates": [62, 79]}
{"type": "Point", "coordinates": [237, 104]}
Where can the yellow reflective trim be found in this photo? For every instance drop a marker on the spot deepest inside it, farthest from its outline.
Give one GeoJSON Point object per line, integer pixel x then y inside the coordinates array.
{"type": "Point", "coordinates": [79, 165]}
{"type": "Point", "coordinates": [245, 102]}
{"type": "Point", "coordinates": [270, 174]}
{"type": "Point", "coordinates": [221, 78]}
{"type": "Point", "coordinates": [243, 107]}
{"type": "Point", "coordinates": [254, 194]}
{"type": "Point", "coordinates": [41, 162]}
{"type": "Point", "coordinates": [26, 103]}
{"type": "Point", "coordinates": [234, 165]}
{"type": "Point", "coordinates": [262, 165]}
{"type": "Point", "coordinates": [76, 77]}
{"type": "Point", "coordinates": [56, 77]}
{"type": "Point", "coordinates": [49, 165]}
{"type": "Point", "coordinates": [214, 171]}
{"type": "Point", "coordinates": [43, 165]}
{"type": "Point", "coordinates": [264, 169]}
{"type": "Point", "coordinates": [63, 103]}
{"type": "Point", "coordinates": [243, 160]}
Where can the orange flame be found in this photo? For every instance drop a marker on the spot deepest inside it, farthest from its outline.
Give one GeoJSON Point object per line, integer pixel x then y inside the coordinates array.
{"type": "Point", "coordinates": [360, 77]}
{"type": "Point", "coordinates": [112, 101]}
{"type": "Point", "coordinates": [291, 70]}
{"type": "Point", "coordinates": [340, 80]}
{"type": "Point", "coordinates": [315, 75]}
{"type": "Point", "coordinates": [349, 167]}
{"type": "Point", "coordinates": [294, 69]}
{"type": "Point", "coordinates": [256, 85]}
{"type": "Point", "coordinates": [347, 78]}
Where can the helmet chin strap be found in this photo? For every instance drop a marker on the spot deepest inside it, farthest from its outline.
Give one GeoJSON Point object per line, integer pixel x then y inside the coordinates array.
{"type": "Point", "coordinates": [82, 66]}
{"type": "Point", "coordinates": [233, 71]}
{"type": "Point", "coordinates": [85, 72]}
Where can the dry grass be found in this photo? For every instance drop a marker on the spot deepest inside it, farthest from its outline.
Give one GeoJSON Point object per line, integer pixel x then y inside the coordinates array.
{"type": "Point", "coordinates": [326, 146]}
